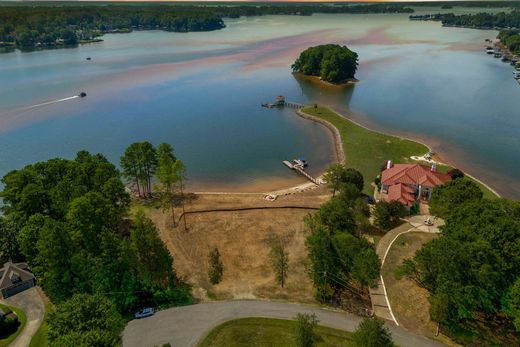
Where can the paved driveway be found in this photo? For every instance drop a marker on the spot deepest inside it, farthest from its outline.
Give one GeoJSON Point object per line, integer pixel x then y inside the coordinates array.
{"type": "Point", "coordinates": [31, 303]}
{"type": "Point", "coordinates": [185, 326]}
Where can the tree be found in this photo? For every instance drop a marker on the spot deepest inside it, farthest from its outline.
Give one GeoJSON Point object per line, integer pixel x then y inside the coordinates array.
{"type": "Point", "coordinates": [216, 268]}
{"type": "Point", "coordinates": [305, 326]}
{"type": "Point", "coordinates": [456, 174]}
{"type": "Point", "coordinates": [85, 319]}
{"type": "Point", "coordinates": [168, 176]}
{"type": "Point", "coordinates": [387, 215]}
{"type": "Point", "coordinates": [354, 177]}
{"type": "Point", "coordinates": [279, 262]}
{"type": "Point", "coordinates": [155, 264]}
{"type": "Point", "coordinates": [371, 332]}
{"type": "Point", "coordinates": [366, 267]}
{"type": "Point", "coordinates": [139, 163]}
{"type": "Point", "coordinates": [337, 215]}
{"type": "Point", "coordinates": [512, 304]}
{"type": "Point", "coordinates": [180, 173]}
{"type": "Point", "coordinates": [448, 197]}
{"type": "Point", "coordinates": [9, 245]}
{"type": "Point", "coordinates": [334, 176]}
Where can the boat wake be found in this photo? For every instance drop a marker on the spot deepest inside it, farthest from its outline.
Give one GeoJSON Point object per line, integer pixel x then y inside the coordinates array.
{"type": "Point", "coordinates": [49, 102]}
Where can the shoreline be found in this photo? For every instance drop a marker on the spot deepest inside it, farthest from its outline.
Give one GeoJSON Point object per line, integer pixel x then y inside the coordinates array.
{"type": "Point", "coordinates": [447, 163]}
{"type": "Point", "coordinates": [349, 82]}
{"type": "Point", "coordinates": [339, 158]}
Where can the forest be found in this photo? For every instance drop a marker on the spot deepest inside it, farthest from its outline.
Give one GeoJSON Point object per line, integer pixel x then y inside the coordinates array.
{"type": "Point", "coordinates": [472, 270]}
{"type": "Point", "coordinates": [70, 221]}
{"type": "Point", "coordinates": [53, 25]}
{"type": "Point", "coordinates": [332, 63]}
{"type": "Point", "coordinates": [510, 38]}
{"type": "Point", "coordinates": [483, 20]}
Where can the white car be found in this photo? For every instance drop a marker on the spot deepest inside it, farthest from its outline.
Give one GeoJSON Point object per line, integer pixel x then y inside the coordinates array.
{"type": "Point", "coordinates": [145, 312]}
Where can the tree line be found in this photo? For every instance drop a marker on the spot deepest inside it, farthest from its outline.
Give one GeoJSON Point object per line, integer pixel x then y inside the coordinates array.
{"type": "Point", "coordinates": [50, 26]}
{"type": "Point", "coordinates": [472, 270]}
{"type": "Point", "coordinates": [70, 221]}
{"type": "Point", "coordinates": [484, 20]}
{"type": "Point", "coordinates": [340, 258]}
{"type": "Point", "coordinates": [510, 38]}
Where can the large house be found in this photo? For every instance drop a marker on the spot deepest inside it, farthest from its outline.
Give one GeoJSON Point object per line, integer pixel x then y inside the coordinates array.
{"type": "Point", "coordinates": [15, 278]}
{"type": "Point", "coordinates": [409, 183]}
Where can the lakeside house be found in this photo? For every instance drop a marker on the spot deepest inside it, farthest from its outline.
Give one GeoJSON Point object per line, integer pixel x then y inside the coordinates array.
{"type": "Point", "coordinates": [15, 278]}
{"type": "Point", "coordinates": [409, 183]}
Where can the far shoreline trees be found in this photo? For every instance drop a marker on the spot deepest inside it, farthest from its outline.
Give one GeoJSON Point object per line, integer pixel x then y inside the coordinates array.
{"type": "Point", "coordinates": [331, 63]}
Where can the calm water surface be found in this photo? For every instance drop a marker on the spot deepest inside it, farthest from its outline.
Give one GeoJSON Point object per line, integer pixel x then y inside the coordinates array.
{"type": "Point", "coordinates": [202, 93]}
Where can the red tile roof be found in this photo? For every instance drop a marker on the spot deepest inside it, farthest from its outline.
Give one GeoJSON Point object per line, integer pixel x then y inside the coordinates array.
{"type": "Point", "coordinates": [413, 174]}
{"type": "Point", "coordinates": [403, 194]}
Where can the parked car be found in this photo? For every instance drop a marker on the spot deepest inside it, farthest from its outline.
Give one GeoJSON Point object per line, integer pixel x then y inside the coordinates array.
{"type": "Point", "coordinates": [145, 312]}
{"type": "Point", "coordinates": [428, 222]}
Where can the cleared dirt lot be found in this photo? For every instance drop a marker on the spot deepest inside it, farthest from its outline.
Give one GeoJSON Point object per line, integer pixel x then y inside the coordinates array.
{"type": "Point", "coordinates": [244, 239]}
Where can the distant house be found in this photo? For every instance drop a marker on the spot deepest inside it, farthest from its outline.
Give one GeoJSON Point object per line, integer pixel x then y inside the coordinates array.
{"type": "Point", "coordinates": [407, 183]}
{"type": "Point", "coordinates": [15, 278]}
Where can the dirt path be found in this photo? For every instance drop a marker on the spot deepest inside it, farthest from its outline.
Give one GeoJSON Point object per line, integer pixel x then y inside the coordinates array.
{"type": "Point", "coordinates": [31, 303]}
{"type": "Point", "coordinates": [185, 326]}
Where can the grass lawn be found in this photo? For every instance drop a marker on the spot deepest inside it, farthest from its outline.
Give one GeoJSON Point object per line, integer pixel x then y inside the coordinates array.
{"type": "Point", "coordinates": [21, 318]}
{"type": "Point", "coordinates": [268, 332]}
{"type": "Point", "coordinates": [366, 150]}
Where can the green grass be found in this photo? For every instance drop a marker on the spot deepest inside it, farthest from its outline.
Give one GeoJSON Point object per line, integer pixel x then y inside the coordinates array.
{"type": "Point", "coordinates": [268, 332]}
{"type": "Point", "coordinates": [366, 150]}
{"type": "Point", "coordinates": [22, 318]}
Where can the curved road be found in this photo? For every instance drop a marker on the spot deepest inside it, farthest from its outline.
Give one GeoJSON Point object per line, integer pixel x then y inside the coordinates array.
{"type": "Point", "coordinates": [185, 326]}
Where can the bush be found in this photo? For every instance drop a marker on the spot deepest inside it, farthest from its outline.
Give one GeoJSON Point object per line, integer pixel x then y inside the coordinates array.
{"type": "Point", "coordinates": [216, 268]}
{"type": "Point", "coordinates": [305, 325]}
{"type": "Point", "coordinates": [372, 333]}
{"type": "Point", "coordinates": [387, 215]}
{"type": "Point", "coordinates": [8, 326]}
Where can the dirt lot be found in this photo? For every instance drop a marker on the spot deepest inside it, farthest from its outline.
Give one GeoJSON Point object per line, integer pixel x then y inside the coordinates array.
{"type": "Point", "coordinates": [409, 302]}
{"type": "Point", "coordinates": [244, 240]}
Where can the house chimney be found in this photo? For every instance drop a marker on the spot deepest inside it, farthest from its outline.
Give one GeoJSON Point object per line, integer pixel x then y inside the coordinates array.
{"type": "Point", "coordinates": [434, 168]}
{"type": "Point", "coordinates": [389, 164]}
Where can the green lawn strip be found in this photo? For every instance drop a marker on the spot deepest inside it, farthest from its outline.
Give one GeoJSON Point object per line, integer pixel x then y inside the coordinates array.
{"type": "Point", "coordinates": [366, 150]}
{"type": "Point", "coordinates": [40, 337]}
{"type": "Point", "coordinates": [268, 332]}
{"type": "Point", "coordinates": [22, 318]}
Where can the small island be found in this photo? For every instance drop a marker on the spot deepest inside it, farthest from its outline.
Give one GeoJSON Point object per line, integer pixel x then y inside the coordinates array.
{"type": "Point", "coordinates": [331, 63]}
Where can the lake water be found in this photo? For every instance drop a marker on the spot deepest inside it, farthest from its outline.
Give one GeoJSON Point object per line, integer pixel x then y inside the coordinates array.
{"type": "Point", "coordinates": [202, 92]}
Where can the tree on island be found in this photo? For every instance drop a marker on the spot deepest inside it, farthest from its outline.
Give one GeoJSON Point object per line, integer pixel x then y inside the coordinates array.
{"type": "Point", "coordinates": [332, 63]}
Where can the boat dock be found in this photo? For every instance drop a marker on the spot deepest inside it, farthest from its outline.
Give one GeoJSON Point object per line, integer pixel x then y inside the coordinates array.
{"type": "Point", "coordinates": [281, 102]}
{"type": "Point", "coordinates": [301, 170]}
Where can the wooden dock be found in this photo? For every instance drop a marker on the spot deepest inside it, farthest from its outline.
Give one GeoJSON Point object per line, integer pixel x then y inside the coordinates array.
{"type": "Point", "coordinates": [293, 105]}
{"type": "Point", "coordinates": [301, 171]}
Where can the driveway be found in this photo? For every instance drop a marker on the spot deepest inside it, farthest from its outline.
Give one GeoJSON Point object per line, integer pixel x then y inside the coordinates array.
{"type": "Point", "coordinates": [31, 303]}
{"type": "Point", "coordinates": [185, 326]}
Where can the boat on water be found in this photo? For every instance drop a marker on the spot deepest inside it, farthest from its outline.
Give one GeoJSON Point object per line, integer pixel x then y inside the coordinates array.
{"type": "Point", "coordinates": [89, 58]}
{"type": "Point", "coordinates": [498, 55]}
{"type": "Point", "coordinates": [300, 162]}
{"type": "Point", "coordinates": [516, 75]}
{"type": "Point", "coordinates": [82, 94]}
{"type": "Point", "coordinates": [505, 59]}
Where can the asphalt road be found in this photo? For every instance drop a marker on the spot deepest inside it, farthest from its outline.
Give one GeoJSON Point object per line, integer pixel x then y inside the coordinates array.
{"type": "Point", "coordinates": [185, 326]}
{"type": "Point", "coordinates": [31, 303]}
